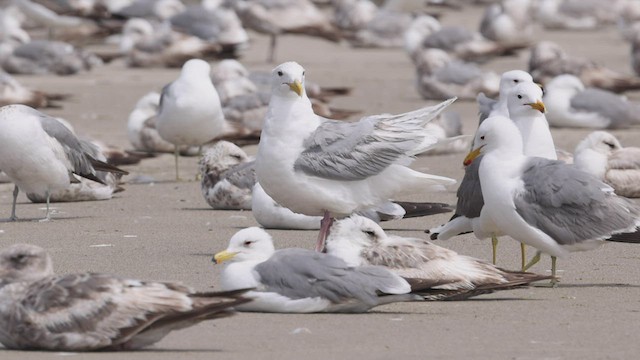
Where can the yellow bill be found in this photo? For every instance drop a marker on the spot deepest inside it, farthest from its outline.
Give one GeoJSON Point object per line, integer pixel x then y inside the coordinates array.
{"type": "Point", "coordinates": [296, 87]}
{"type": "Point", "coordinates": [223, 256]}
{"type": "Point", "coordinates": [471, 156]}
{"type": "Point", "coordinates": [538, 105]}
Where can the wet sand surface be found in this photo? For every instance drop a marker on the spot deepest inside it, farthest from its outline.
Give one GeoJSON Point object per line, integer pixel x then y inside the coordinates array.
{"type": "Point", "coordinates": [166, 231]}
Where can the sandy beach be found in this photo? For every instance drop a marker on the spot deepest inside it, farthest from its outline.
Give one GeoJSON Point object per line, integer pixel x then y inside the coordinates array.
{"type": "Point", "coordinates": [166, 231]}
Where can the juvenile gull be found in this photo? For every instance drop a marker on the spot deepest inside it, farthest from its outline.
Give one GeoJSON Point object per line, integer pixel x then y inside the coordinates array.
{"type": "Point", "coordinates": [433, 271]}
{"type": "Point", "coordinates": [602, 155]}
{"type": "Point", "coordinates": [316, 166]}
{"type": "Point", "coordinates": [47, 161]}
{"type": "Point", "coordinates": [570, 104]}
{"type": "Point", "coordinates": [190, 112]}
{"type": "Point", "coordinates": [303, 281]}
{"type": "Point", "coordinates": [86, 312]}
{"type": "Point", "coordinates": [547, 204]}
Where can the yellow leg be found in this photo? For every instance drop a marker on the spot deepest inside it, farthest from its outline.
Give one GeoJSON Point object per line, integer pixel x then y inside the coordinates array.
{"type": "Point", "coordinates": [533, 261]}
{"type": "Point", "coordinates": [523, 254]}
{"type": "Point", "coordinates": [494, 247]}
{"type": "Point", "coordinates": [177, 155]}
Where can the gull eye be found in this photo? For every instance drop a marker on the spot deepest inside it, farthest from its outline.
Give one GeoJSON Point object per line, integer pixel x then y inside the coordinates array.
{"type": "Point", "coordinates": [18, 258]}
{"type": "Point", "coordinates": [482, 137]}
{"type": "Point", "coordinates": [519, 96]}
{"type": "Point", "coordinates": [516, 81]}
{"type": "Point", "coordinates": [236, 156]}
{"type": "Point", "coordinates": [303, 73]}
{"type": "Point", "coordinates": [370, 233]}
{"type": "Point", "coordinates": [279, 73]}
{"type": "Point", "coordinates": [610, 145]}
{"type": "Point", "coordinates": [247, 243]}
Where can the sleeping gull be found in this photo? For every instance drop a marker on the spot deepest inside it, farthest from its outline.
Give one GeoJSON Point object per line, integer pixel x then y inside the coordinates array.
{"type": "Point", "coordinates": [46, 163]}
{"type": "Point", "coordinates": [526, 111]}
{"type": "Point", "coordinates": [190, 112]}
{"type": "Point", "coordinates": [549, 60]}
{"type": "Point", "coordinates": [88, 312]}
{"type": "Point", "coordinates": [440, 76]}
{"type": "Point", "coordinates": [433, 271]}
{"type": "Point", "coordinates": [601, 154]}
{"type": "Point", "coordinates": [44, 57]}
{"type": "Point", "coordinates": [547, 204]}
{"type": "Point", "coordinates": [509, 23]}
{"type": "Point", "coordinates": [317, 166]}
{"type": "Point", "coordinates": [569, 104]}
{"type": "Point", "coordinates": [303, 281]}
{"type": "Point", "coordinates": [13, 92]}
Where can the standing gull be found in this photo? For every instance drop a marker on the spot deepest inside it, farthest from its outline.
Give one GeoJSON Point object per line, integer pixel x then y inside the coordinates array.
{"type": "Point", "coordinates": [88, 312]}
{"type": "Point", "coordinates": [433, 271]}
{"type": "Point", "coordinates": [317, 166]}
{"type": "Point", "coordinates": [547, 204]}
{"type": "Point", "coordinates": [570, 104]}
{"type": "Point", "coordinates": [40, 154]}
{"type": "Point", "coordinates": [303, 281]}
{"type": "Point", "coordinates": [601, 154]}
{"type": "Point", "coordinates": [190, 112]}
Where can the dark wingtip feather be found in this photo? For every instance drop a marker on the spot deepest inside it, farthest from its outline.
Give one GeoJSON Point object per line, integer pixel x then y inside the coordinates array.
{"type": "Point", "coordinates": [417, 209]}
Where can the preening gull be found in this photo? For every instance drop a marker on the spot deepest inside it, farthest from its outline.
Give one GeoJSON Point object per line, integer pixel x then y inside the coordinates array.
{"type": "Point", "coordinates": [433, 271]}
{"type": "Point", "coordinates": [547, 204]}
{"type": "Point", "coordinates": [46, 163]}
{"type": "Point", "coordinates": [190, 112]}
{"type": "Point", "coordinates": [317, 166]}
{"type": "Point", "coordinates": [88, 312]}
{"type": "Point", "coordinates": [303, 281]}
{"type": "Point", "coordinates": [570, 104]}
{"type": "Point", "coordinates": [602, 155]}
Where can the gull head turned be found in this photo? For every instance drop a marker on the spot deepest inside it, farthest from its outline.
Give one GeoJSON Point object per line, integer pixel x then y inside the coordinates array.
{"type": "Point", "coordinates": [287, 80]}
{"type": "Point", "coordinates": [349, 237]}
{"type": "Point", "coordinates": [497, 133]}
{"type": "Point", "coordinates": [601, 142]}
{"type": "Point", "coordinates": [525, 100]}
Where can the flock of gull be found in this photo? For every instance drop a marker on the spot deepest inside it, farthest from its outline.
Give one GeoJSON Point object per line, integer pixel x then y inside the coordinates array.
{"type": "Point", "coordinates": [313, 170]}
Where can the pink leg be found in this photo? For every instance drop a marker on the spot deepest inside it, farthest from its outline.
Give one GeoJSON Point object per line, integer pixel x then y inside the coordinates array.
{"type": "Point", "coordinates": [325, 225]}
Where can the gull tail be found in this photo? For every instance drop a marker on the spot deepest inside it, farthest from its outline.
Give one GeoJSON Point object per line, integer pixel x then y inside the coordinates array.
{"type": "Point", "coordinates": [627, 237]}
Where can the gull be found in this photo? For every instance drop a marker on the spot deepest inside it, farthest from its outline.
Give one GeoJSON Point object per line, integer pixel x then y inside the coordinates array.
{"type": "Point", "coordinates": [547, 204]}
{"type": "Point", "coordinates": [303, 281]}
{"type": "Point", "coordinates": [86, 312]}
{"type": "Point", "coordinates": [47, 17]}
{"type": "Point", "coordinates": [12, 92]}
{"type": "Point", "coordinates": [508, 23]}
{"type": "Point", "coordinates": [47, 57]}
{"type": "Point", "coordinates": [425, 32]}
{"type": "Point", "coordinates": [142, 131]}
{"type": "Point", "coordinates": [385, 30]}
{"type": "Point", "coordinates": [549, 60]}
{"type": "Point", "coordinates": [353, 15]}
{"type": "Point", "coordinates": [284, 16]}
{"type": "Point", "coordinates": [433, 271]}
{"type": "Point", "coordinates": [316, 166]}
{"type": "Point", "coordinates": [553, 15]}
{"type": "Point", "coordinates": [570, 104]}
{"type": "Point", "coordinates": [602, 155]}
{"type": "Point", "coordinates": [146, 45]}
{"type": "Point", "coordinates": [151, 9]}
{"type": "Point", "coordinates": [508, 81]}
{"type": "Point", "coordinates": [227, 177]}
{"type": "Point", "coordinates": [439, 77]}
{"type": "Point", "coordinates": [218, 25]}
{"type": "Point", "coordinates": [526, 109]}
{"type": "Point", "coordinates": [447, 127]}
{"type": "Point", "coordinates": [11, 30]}
{"type": "Point", "coordinates": [46, 163]}
{"type": "Point", "coordinates": [190, 112]}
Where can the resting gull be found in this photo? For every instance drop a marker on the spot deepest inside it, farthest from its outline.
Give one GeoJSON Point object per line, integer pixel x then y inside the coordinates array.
{"type": "Point", "coordinates": [602, 155]}
{"type": "Point", "coordinates": [46, 163]}
{"type": "Point", "coordinates": [13, 92]}
{"type": "Point", "coordinates": [509, 23]}
{"type": "Point", "coordinates": [570, 104]}
{"type": "Point", "coordinates": [303, 281]}
{"type": "Point", "coordinates": [433, 271]}
{"type": "Point", "coordinates": [86, 312]}
{"type": "Point", "coordinates": [317, 166]}
{"type": "Point", "coordinates": [547, 204]}
{"type": "Point", "coordinates": [47, 57]}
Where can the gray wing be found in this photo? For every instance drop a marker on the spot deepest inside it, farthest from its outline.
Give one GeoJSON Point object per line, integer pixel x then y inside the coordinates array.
{"type": "Point", "coordinates": [485, 106]}
{"type": "Point", "coordinates": [199, 22]}
{"type": "Point", "coordinates": [300, 273]}
{"type": "Point", "coordinates": [355, 151]}
{"type": "Point", "coordinates": [470, 200]}
{"type": "Point", "coordinates": [457, 72]}
{"type": "Point", "coordinates": [570, 205]}
{"type": "Point", "coordinates": [164, 95]}
{"type": "Point", "coordinates": [606, 104]}
{"type": "Point", "coordinates": [448, 38]}
{"type": "Point", "coordinates": [242, 176]}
